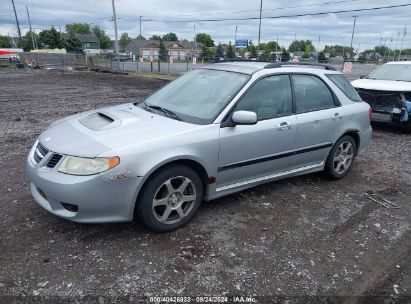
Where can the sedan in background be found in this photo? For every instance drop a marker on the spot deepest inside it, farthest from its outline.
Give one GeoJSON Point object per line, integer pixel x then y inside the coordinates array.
{"type": "Point", "coordinates": [388, 91]}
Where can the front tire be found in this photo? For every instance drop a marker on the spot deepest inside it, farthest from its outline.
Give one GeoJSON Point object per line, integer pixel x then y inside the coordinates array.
{"type": "Point", "coordinates": [341, 157]}
{"type": "Point", "coordinates": [170, 198]}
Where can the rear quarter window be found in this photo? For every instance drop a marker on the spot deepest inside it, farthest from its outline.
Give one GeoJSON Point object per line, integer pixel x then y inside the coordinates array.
{"type": "Point", "coordinates": [345, 86]}
{"type": "Point", "coordinates": [311, 93]}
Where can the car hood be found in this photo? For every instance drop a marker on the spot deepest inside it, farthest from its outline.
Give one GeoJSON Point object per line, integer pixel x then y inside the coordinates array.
{"type": "Point", "coordinates": [382, 85]}
{"type": "Point", "coordinates": [91, 133]}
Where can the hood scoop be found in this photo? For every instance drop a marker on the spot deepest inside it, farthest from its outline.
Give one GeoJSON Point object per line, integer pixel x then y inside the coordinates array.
{"type": "Point", "coordinates": [100, 121]}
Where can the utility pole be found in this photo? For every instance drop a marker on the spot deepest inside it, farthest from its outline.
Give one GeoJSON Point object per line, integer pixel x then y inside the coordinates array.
{"type": "Point", "coordinates": [31, 30]}
{"type": "Point", "coordinates": [389, 49]}
{"type": "Point", "coordinates": [276, 46]}
{"type": "Point", "coordinates": [276, 50]}
{"type": "Point", "coordinates": [396, 43]}
{"type": "Point", "coordinates": [140, 26]}
{"type": "Point", "coordinates": [395, 46]}
{"type": "Point", "coordinates": [385, 49]}
{"type": "Point", "coordinates": [235, 40]}
{"type": "Point", "coordinates": [10, 39]}
{"type": "Point", "coordinates": [195, 39]}
{"type": "Point", "coordinates": [259, 26]}
{"type": "Point", "coordinates": [379, 50]}
{"type": "Point", "coordinates": [402, 40]}
{"type": "Point", "coordinates": [116, 36]}
{"type": "Point", "coordinates": [318, 46]}
{"type": "Point", "coordinates": [352, 36]}
{"type": "Point", "coordinates": [17, 19]}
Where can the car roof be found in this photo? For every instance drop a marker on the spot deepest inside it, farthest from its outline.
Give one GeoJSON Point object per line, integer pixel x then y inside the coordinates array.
{"type": "Point", "coordinates": [246, 67]}
{"type": "Point", "coordinates": [399, 62]}
{"type": "Point", "coordinates": [251, 67]}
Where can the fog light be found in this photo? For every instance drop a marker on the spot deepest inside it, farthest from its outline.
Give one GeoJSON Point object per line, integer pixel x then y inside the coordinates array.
{"type": "Point", "coordinates": [70, 207]}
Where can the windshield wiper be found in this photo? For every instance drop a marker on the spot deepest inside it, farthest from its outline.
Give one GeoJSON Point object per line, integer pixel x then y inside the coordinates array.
{"type": "Point", "coordinates": [165, 111]}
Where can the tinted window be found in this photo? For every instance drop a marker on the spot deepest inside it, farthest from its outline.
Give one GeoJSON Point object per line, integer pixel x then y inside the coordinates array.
{"type": "Point", "coordinates": [345, 86]}
{"type": "Point", "coordinates": [269, 97]}
{"type": "Point", "coordinates": [311, 93]}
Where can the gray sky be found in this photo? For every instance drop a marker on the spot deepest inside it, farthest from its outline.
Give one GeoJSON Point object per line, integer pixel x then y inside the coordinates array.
{"type": "Point", "coordinates": [333, 28]}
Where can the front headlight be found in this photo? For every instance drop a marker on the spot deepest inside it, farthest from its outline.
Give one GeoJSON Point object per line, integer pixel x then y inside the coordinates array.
{"type": "Point", "coordinates": [87, 166]}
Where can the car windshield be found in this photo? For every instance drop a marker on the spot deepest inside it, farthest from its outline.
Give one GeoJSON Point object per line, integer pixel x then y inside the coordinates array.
{"type": "Point", "coordinates": [398, 72]}
{"type": "Point", "coordinates": [198, 96]}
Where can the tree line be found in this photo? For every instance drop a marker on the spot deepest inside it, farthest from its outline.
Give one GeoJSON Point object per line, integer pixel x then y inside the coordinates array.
{"type": "Point", "coordinates": [51, 38]}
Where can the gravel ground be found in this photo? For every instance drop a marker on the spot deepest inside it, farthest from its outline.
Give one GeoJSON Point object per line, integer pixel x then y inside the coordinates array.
{"type": "Point", "coordinates": [304, 239]}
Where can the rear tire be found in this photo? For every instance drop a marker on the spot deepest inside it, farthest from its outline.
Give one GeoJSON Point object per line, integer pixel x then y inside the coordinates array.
{"type": "Point", "coordinates": [341, 157]}
{"type": "Point", "coordinates": [170, 198]}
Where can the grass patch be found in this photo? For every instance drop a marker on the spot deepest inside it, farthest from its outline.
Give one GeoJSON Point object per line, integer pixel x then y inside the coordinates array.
{"type": "Point", "coordinates": [154, 75]}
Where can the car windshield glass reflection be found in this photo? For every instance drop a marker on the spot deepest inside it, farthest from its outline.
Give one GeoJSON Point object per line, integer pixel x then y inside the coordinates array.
{"type": "Point", "coordinates": [197, 96]}
{"type": "Point", "coordinates": [399, 72]}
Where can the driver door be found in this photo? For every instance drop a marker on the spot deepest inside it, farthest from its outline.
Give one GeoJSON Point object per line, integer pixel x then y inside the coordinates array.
{"type": "Point", "coordinates": [249, 152]}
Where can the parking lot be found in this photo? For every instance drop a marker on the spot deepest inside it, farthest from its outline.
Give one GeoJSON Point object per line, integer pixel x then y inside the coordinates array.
{"type": "Point", "coordinates": [303, 239]}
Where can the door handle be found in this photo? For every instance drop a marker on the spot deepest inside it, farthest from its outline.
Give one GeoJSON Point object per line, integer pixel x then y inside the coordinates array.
{"type": "Point", "coordinates": [283, 126]}
{"type": "Point", "coordinates": [336, 115]}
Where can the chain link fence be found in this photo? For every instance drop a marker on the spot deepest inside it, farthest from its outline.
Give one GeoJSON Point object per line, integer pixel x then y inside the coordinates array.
{"type": "Point", "coordinates": [147, 65]}
{"type": "Point", "coordinates": [110, 63]}
{"type": "Point", "coordinates": [104, 62]}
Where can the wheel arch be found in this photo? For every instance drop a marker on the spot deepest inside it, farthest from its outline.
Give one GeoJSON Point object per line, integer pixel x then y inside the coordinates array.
{"type": "Point", "coordinates": [355, 134]}
{"type": "Point", "coordinates": [189, 162]}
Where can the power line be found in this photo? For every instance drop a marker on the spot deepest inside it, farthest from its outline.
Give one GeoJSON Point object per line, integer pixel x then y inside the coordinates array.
{"type": "Point", "coordinates": [267, 9]}
{"type": "Point", "coordinates": [281, 16]}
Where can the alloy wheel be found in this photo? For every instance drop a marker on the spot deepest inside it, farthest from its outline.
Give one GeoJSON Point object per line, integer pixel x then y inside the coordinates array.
{"type": "Point", "coordinates": [174, 200]}
{"type": "Point", "coordinates": [343, 157]}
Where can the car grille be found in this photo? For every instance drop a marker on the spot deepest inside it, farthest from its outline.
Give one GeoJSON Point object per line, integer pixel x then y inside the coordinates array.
{"type": "Point", "coordinates": [54, 160]}
{"type": "Point", "coordinates": [41, 151]}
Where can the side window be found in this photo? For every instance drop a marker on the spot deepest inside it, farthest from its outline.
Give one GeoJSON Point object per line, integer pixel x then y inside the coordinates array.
{"type": "Point", "coordinates": [345, 86]}
{"type": "Point", "coordinates": [269, 97]}
{"type": "Point", "coordinates": [311, 94]}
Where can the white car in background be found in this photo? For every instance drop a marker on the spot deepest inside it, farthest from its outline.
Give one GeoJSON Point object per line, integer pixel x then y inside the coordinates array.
{"type": "Point", "coordinates": [388, 91]}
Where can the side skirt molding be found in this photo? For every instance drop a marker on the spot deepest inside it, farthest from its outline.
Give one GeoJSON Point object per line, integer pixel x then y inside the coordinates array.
{"type": "Point", "coordinates": [268, 177]}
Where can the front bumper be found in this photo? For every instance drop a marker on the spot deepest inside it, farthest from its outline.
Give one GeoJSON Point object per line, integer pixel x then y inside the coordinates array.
{"type": "Point", "coordinates": [99, 198]}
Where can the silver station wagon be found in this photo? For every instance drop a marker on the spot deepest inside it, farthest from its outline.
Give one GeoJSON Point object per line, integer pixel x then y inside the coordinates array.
{"type": "Point", "coordinates": [216, 130]}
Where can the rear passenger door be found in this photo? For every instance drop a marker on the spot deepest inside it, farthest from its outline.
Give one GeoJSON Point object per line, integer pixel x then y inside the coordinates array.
{"type": "Point", "coordinates": [320, 120]}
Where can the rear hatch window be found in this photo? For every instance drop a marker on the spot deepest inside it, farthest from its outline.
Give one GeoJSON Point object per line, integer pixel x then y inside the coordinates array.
{"type": "Point", "coordinates": [345, 86]}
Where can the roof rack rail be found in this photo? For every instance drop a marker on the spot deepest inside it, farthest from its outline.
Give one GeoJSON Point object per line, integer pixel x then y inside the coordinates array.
{"type": "Point", "coordinates": [284, 64]}
{"type": "Point", "coordinates": [217, 60]}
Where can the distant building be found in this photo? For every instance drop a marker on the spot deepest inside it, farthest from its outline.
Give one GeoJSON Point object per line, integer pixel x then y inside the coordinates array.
{"type": "Point", "coordinates": [88, 41]}
{"type": "Point", "coordinates": [313, 55]}
{"type": "Point", "coordinates": [297, 54]}
{"type": "Point", "coordinates": [335, 60]}
{"type": "Point", "coordinates": [178, 50]}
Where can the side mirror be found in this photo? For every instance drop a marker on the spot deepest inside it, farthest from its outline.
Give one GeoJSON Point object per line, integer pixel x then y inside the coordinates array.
{"type": "Point", "coordinates": [244, 118]}
{"type": "Point", "coordinates": [363, 76]}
